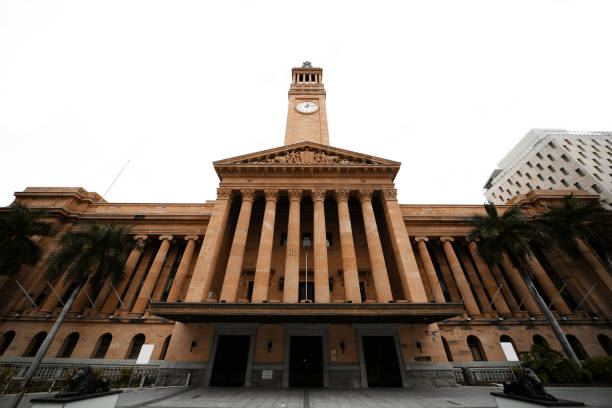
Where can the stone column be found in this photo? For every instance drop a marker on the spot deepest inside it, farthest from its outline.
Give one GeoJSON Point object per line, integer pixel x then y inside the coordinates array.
{"type": "Point", "coordinates": [102, 295]}
{"type": "Point", "coordinates": [182, 270]}
{"type": "Point", "coordinates": [264, 254]}
{"type": "Point", "coordinates": [347, 245]}
{"type": "Point", "coordinates": [377, 259]}
{"type": "Point", "coordinates": [489, 282]}
{"type": "Point", "coordinates": [321, 273]}
{"type": "Point", "coordinates": [292, 257]}
{"type": "Point", "coordinates": [521, 288]}
{"type": "Point", "coordinates": [462, 284]}
{"type": "Point", "coordinates": [595, 263]}
{"type": "Point", "coordinates": [407, 267]}
{"type": "Point", "coordinates": [236, 256]}
{"type": "Point", "coordinates": [430, 271]}
{"type": "Point", "coordinates": [199, 287]}
{"type": "Point", "coordinates": [506, 291]}
{"type": "Point", "coordinates": [149, 284]}
{"type": "Point", "coordinates": [547, 285]}
{"type": "Point", "coordinates": [476, 287]}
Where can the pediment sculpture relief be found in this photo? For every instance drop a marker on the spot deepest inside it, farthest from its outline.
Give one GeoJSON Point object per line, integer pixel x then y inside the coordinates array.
{"type": "Point", "coordinates": [307, 156]}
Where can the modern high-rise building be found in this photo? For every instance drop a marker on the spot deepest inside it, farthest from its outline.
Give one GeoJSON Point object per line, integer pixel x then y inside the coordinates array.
{"type": "Point", "coordinates": [552, 159]}
{"type": "Point", "coordinates": [305, 270]}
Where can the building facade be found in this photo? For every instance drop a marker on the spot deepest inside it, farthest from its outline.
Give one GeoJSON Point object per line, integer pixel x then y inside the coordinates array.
{"type": "Point", "coordinates": [304, 271]}
{"type": "Point", "coordinates": [554, 160]}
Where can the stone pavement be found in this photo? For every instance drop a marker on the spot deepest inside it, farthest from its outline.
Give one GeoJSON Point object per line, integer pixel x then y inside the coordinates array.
{"type": "Point", "coordinates": [473, 397]}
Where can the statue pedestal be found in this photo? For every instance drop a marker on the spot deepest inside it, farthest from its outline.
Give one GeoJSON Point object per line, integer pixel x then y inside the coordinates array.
{"type": "Point", "coordinates": [515, 401]}
{"type": "Point", "coordinates": [97, 400]}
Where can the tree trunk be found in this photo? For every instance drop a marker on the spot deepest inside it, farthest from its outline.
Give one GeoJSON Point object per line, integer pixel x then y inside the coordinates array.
{"type": "Point", "coordinates": [3, 280]}
{"type": "Point", "coordinates": [556, 328]}
{"type": "Point", "coordinates": [45, 345]}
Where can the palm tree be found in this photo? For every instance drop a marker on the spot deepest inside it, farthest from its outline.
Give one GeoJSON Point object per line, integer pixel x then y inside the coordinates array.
{"type": "Point", "coordinates": [512, 234]}
{"type": "Point", "coordinates": [573, 223]}
{"type": "Point", "coordinates": [17, 227]}
{"type": "Point", "coordinates": [89, 255]}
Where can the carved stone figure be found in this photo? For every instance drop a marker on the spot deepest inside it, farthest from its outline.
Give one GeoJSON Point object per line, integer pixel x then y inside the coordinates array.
{"type": "Point", "coordinates": [305, 156]}
{"type": "Point", "coordinates": [83, 382]}
{"type": "Point", "coordinates": [528, 385]}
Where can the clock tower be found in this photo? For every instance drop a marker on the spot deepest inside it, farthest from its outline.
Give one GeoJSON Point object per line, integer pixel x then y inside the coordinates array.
{"type": "Point", "coordinates": [307, 115]}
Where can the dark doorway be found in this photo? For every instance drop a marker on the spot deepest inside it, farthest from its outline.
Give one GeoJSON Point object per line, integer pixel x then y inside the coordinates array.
{"type": "Point", "coordinates": [306, 361]}
{"type": "Point", "coordinates": [306, 291]}
{"type": "Point", "coordinates": [230, 361]}
{"type": "Point", "coordinates": [381, 363]}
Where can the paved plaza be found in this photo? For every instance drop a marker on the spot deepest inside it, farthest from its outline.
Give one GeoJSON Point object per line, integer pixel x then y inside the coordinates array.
{"type": "Point", "coordinates": [474, 397]}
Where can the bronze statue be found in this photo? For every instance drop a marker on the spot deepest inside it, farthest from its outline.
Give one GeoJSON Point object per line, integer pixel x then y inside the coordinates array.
{"type": "Point", "coordinates": [528, 385]}
{"type": "Point", "coordinates": [83, 382]}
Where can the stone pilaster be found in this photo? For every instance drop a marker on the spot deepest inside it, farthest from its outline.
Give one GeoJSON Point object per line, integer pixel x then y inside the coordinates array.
{"type": "Point", "coordinates": [377, 260]}
{"type": "Point", "coordinates": [430, 271]}
{"type": "Point", "coordinates": [181, 273]}
{"type": "Point", "coordinates": [462, 283]}
{"type": "Point", "coordinates": [321, 273]}
{"type": "Point", "coordinates": [292, 257]}
{"type": "Point", "coordinates": [347, 245]}
{"type": "Point", "coordinates": [199, 287]}
{"type": "Point", "coordinates": [236, 256]}
{"type": "Point", "coordinates": [407, 268]}
{"type": "Point", "coordinates": [264, 255]}
{"type": "Point", "coordinates": [149, 284]}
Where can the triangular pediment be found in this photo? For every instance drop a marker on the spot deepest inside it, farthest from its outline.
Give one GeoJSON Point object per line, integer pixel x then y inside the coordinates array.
{"type": "Point", "coordinates": [308, 154]}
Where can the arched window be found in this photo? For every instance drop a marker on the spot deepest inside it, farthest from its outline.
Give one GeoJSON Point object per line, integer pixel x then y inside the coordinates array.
{"type": "Point", "coordinates": [69, 345]}
{"type": "Point", "coordinates": [577, 347]}
{"type": "Point", "coordinates": [135, 346]}
{"type": "Point", "coordinates": [540, 341]}
{"type": "Point", "coordinates": [507, 339]}
{"type": "Point", "coordinates": [102, 347]}
{"type": "Point", "coordinates": [447, 349]}
{"type": "Point", "coordinates": [604, 340]}
{"type": "Point", "coordinates": [35, 344]}
{"type": "Point", "coordinates": [7, 339]}
{"type": "Point", "coordinates": [164, 349]}
{"type": "Point", "coordinates": [476, 348]}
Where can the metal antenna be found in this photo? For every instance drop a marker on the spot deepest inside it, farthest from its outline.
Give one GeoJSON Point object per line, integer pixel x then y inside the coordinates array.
{"type": "Point", "coordinates": [113, 183]}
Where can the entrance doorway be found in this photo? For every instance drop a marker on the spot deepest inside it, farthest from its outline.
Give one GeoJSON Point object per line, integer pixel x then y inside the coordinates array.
{"type": "Point", "coordinates": [306, 292]}
{"type": "Point", "coordinates": [382, 367]}
{"type": "Point", "coordinates": [306, 361]}
{"type": "Point", "coordinates": [230, 363]}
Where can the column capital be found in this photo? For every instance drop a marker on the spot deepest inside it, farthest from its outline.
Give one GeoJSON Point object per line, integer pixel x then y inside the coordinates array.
{"type": "Point", "coordinates": [421, 239]}
{"type": "Point", "coordinates": [342, 194]}
{"type": "Point", "coordinates": [445, 239]}
{"type": "Point", "coordinates": [295, 194]}
{"type": "Point", "coordinates": [224, 193]}
{"type": "Point", "coordinates": [140, 237]}
{"type": "Point", "coordinates": [390, 194]}
{"type": "Point", "coordinates": [166, 237]}
{"type": "Point", "coordinates": [318, 194]}
{"type": "Point", "coordinates": [365, 195]}
{"type": "Point", "coordinates": [248, 194]}
{"type": "Point", "coordinates": [271, 194]}
{"type": "Point", "coordinates": [191, 238]}
{"type": "Point", "coordinates": [471, 239]}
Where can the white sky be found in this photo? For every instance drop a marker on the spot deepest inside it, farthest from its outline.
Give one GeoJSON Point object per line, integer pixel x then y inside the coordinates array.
{"type": "Point", "coordinates": [445, 87]}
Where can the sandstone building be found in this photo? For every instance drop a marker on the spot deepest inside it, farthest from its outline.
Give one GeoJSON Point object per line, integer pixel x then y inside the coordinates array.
{"type": "Point", "coordinates": [304, 271]}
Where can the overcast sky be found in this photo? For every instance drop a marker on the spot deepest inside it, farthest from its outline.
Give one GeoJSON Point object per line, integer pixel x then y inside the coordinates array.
{"type": "Point", "coordinates": [445, 87]}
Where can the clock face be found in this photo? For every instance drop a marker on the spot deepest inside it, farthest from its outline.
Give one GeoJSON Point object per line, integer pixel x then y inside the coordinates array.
{"type": "Point", "coordinates": [307, 107]}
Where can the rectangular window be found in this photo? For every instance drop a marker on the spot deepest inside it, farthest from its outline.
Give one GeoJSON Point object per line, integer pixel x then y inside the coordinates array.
{"type": "Point", "coordinates": [551, 168]}
{"type": "Point", "coordinates": [595, 148]}
{"type": "Point", "coordinates": [597, 176]}
{"type": "Point", "coordinates": [581, 148]}
{"type": "Point", "coordinates": [564, 157]}
{"type": "Point", "coordinates": [508, 191]}
{"type": "Point", "coordinates": [562, 170]}
{"type": "Point", "coordinates": [568, 142]}
{"type": "Point", "coordinates": [578, 186]}
{"type": "Point", "coordinates": [539, 166]}
{"type": "Point", "coordinates": [598, 169]}
{"type": "Point", "coordinates": [596, 188]}
{"type": "Point", "coordinates": [550, 157]}
{"type": "Point", "coordinates": [519, 173]}
{"type": "Point", "coordinates": [596, 142]}
{"type": "Point", "coordinates": [528, 176]}
{"type": "Point", "coordinates": [552, 180]}
{"type": "Point", "coordinates": [564, 182]}
{"type": "Point", "coordinates": [540, 177]}
{"type": "Point", "coordinates": [580, 160]}
{"type": "Point", "coordinates": [580, 172]}
{"type": "Point", "coordinates": [582, 154]}
{"type": "Point", "coordinates": [529, 185]}
{"type": "Point", "coordinates": [597, 154]}
{"type": "Point", "coordinates": [501, 190]}
{"type": "Point", "coordinates": [596, 162]}
{"type": "Point", "coordinates": [530, 165]}
{"type": "Point", "coordinates": [539, 155]}
{"type": "Point", "coordinates": [518, 184]}
{"type": "Point", "coordinates": [551, 144]}
{"type": "Point", "coordinates": [307, 240]}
